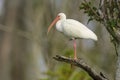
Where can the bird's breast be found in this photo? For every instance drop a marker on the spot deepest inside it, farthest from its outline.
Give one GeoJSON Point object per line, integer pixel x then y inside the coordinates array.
{"type": "Point", "coordinates": [59, 26]}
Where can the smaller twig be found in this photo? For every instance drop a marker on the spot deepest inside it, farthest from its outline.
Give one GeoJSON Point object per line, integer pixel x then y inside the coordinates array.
{"type": "Point", "coordinates": [93, 10]}
{"type": "Point", "coordinates": [82, 65]}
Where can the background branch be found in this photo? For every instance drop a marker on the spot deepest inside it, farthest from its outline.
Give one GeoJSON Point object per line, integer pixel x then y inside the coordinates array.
{"type": "Point", "coordinates": [83, 65]}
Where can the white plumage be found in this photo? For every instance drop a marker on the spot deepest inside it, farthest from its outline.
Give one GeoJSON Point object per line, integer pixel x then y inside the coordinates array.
{"type": "Point", "coordinates": [73, 29]}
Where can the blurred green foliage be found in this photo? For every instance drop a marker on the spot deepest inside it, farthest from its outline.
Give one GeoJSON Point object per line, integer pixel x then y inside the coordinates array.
{"type": "Point", "coordinates": [68, 52]}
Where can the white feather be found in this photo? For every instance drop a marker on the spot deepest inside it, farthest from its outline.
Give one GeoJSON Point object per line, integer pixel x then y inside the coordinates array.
{"type": "Point", "coordinates": [74, 29]}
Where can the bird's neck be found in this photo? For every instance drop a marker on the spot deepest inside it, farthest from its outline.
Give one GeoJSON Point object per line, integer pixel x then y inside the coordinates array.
{"type": "Point", "coordinates": [59, 25]}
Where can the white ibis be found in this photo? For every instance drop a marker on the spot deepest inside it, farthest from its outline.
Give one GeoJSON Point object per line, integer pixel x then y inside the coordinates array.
{"type": "Point", "coordinates": [73, 29]}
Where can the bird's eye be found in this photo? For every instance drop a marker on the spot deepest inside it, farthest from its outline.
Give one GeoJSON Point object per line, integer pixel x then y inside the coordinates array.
{"type": "Point", "coordinates": [58, 15]}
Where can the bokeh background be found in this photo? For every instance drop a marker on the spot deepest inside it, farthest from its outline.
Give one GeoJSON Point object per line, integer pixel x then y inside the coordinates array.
{"type": "Point", "coordinates": [26, 51]}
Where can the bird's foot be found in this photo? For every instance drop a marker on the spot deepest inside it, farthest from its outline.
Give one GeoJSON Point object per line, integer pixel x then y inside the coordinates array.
{"type": "Point", "coordinates": [75, 58]}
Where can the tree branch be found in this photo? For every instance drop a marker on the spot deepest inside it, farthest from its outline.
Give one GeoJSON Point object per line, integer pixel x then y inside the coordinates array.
{"type": "Point", "coordinates": [83, 65]}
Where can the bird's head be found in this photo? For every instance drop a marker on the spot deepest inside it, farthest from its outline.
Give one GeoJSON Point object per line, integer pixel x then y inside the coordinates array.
{"type": "Point", "coordinates": [60, 16]}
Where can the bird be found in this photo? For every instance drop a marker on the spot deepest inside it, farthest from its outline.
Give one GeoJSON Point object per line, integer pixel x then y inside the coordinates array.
{"type": "Point", "coordinates": [73, 29]}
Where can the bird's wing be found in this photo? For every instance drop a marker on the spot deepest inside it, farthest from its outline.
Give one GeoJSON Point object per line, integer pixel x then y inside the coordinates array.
{"type": "Point", "coordinates": [75, 29]}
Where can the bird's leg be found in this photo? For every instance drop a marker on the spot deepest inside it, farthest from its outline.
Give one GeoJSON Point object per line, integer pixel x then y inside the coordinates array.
{"type": "Point", "coordinates": [75, 55]}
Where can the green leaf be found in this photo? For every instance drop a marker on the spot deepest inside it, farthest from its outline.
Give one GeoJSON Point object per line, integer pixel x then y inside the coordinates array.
{"type": "Point", "coordinates": [94, 8]}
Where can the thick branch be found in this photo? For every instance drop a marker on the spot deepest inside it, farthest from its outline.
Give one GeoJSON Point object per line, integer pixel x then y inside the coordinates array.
{"type": "Point", "coordinates": [82, 65]}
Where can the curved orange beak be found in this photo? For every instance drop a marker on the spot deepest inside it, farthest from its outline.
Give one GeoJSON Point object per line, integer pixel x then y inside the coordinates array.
{"type": "Point", "coordinates": [51, 25]}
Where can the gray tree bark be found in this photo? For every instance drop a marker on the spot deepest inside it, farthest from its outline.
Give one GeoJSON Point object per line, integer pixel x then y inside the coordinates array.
{"type": "Point", "coordinates": [6, 46]}
{"type": "Point", "coordinates": [118, 65]}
